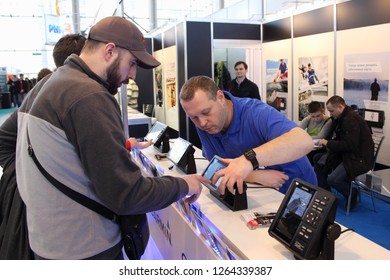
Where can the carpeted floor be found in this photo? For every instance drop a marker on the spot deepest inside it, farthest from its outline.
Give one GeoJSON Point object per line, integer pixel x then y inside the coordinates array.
{"type": "Point", "coordinates": [372, 225]}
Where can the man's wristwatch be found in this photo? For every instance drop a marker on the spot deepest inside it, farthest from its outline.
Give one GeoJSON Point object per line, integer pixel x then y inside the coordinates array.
{"type": "Point", "coordinates": [251, 156]}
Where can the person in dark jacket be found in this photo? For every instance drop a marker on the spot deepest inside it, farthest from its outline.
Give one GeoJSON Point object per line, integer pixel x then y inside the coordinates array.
{"type": "Point", "coordinates": [241, 86]}
{"type": "Point", "coordinates": [14, 242]}
{"type": "Point", "coordinates": [350, 150]}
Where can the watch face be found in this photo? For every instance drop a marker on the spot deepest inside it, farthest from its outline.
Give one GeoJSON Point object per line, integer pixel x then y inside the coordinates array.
{"type": "Point", "coordinates": [250, 154]}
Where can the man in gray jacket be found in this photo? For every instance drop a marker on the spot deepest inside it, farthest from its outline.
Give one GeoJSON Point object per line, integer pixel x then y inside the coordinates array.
{"type": "Point", "coordinates": [74, 125]}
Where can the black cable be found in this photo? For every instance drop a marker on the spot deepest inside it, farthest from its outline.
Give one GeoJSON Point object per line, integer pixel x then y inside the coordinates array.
{"type": "Point", "coordinates": [348, 229]}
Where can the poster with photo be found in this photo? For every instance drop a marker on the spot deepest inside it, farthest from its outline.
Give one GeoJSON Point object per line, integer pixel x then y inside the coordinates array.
{"type": "Point", "coordinates": [170, 85]}
{"type": "Point", "coordinates": [366, 80]}
{"type": "Point", "coordinates": [158, 76]}
{"type": "Point", "coordinates": [366, 88]}
{"type": "Point", "coordinates": [159, 91]}
{"type": "Point", "coordinates": [277, 84]}
{"type": "Point", "coordinates": [312, 82]}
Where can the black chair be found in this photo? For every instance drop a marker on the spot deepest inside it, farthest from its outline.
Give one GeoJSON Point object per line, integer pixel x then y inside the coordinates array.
{"type": "Point", "coordinates": [378, 140]}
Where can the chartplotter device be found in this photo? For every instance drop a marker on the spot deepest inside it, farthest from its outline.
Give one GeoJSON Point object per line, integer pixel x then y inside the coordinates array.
{"type": "Point", "coordinates": [234, 201]}
{"type": "Point", "coordinates": [157, 134]}
{"type": "Point", "coordinates": [304, 222]}
{"type": "Point", "coordinates": [182, 155]}
{"type": "Point", "coordinates": [215, 164]}
{"type": "Point", "coordinates": [374, 118]}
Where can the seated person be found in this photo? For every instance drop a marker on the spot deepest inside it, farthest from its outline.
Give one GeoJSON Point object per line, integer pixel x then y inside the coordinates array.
{"type": "Point", "coordinates": [248, 133]}
{"type": "Point", "coordinates": [317, 124]}
{"type": "Point", "coordinates": [350, 152]}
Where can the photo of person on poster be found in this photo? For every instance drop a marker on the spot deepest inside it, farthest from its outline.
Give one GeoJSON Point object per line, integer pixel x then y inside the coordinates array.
{"type": "Point", "coordinates": [312, 82]}
{"type": "Point", "coordinates": [366, 80]}
{"type": "Point", "coordinates": [277, 84]}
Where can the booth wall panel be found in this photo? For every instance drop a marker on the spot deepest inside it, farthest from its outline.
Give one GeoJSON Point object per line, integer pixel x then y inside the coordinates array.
{"type": "Point", "coordinates": [199, 61]}
{"type": "Point", "coordinates": [181, 74]}
{"type": "Point", "coordinates": [157, 42]}
{"type": "Point", "coordinates": [169, 38]}
{"type": "Point", "coordinates": [144, 76]}
{"type": "Point", "coordinates": [361, 13]}
{"type": "Point", "coordinates": [237, 31]}
{"type": "Point", "coordinates": [314, 22]}
{"type": "Point", "coordinates": [277, 30]}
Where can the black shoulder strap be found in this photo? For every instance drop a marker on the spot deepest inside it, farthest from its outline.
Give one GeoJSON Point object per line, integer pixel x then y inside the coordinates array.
{"type": "Point", "coordinates": [76, 196]}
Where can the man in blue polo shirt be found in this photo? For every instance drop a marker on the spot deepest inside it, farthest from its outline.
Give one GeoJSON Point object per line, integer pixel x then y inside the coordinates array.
{"type": "Point", "coordinates": [260, 144]}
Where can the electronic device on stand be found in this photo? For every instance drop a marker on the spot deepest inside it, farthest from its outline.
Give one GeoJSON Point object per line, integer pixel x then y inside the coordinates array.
{"type": "Point", "coordinates": [158, 135]}
{"type": "Point", "coordinates": [182, 156]}
{"type": "Point", "coordinates": [305, 223]}
{"type": "Point", "coordinates": [235, 202]}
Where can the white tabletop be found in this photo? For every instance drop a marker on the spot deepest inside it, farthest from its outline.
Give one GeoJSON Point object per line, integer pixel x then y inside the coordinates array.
{"type": "Point", "coordinates": [258, 244]}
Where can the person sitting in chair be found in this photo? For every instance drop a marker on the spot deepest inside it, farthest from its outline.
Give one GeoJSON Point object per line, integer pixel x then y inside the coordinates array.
{"type": "Point", "coordinates": [350, 152]}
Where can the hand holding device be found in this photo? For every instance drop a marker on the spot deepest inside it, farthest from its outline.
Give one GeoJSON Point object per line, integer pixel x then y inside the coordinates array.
{"type": "Point", "coordinates": [234, 200]}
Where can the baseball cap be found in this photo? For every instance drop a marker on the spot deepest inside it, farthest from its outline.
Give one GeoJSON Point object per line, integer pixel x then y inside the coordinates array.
{"type": "Point", "coordinates": [125, 35]}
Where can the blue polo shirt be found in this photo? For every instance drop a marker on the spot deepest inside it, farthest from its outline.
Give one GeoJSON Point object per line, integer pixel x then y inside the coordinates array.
{"type": "Point", "coordinates": [255, 123]}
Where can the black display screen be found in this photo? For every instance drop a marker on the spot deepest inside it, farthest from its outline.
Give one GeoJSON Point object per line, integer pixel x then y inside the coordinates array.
{"type": "Point", "coordinates": [374, 118]}
{"type": "Point", "coordinates": [178, 150]}
{"type": "Point", "coordinates": [156, 132]}
{"type": "Point", "coordinates": [293, 212]}
{"type": "Point", "coordinates": [214, 165]}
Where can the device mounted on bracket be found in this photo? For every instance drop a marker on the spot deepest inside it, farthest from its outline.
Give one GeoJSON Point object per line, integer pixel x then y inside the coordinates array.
{"type": "Point", "coordinates": [182, 155]}
{"type": "Point", "coordinates": [158, 135]}
{"type": "Point", "coordinates": [305, 223]}
{"type": "Point", "coordinates": [235, 202]}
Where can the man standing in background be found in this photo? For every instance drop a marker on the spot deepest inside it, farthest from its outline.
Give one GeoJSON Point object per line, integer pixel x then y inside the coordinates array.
{"type": "Point", "coordinates": [241, 86]}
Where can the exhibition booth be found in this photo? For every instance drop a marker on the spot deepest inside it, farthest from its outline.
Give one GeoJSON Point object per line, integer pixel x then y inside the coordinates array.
{"type": "Point", "coordinates": [343, 43]}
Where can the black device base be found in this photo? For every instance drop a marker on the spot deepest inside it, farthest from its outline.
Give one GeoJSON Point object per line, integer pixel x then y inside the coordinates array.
{"type": "Point", "coordinates": [163, 146]}
{"type": "Point", "coordinates": [234, 202]}
{"type": "Point", "coordinates": [326, 252]}
{"type": "Point", "coordinates": [191, 165]}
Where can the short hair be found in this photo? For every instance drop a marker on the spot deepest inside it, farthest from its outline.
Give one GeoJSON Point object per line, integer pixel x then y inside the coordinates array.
{"type": "Point", "coordinates": [336, 100]}
{"type": "Point", "coordinates": [42, 73]}
{"type": "Point", "coordinates": [314, 107]}
{"type": "Point", "coordinates": [241, 62]}
{"type": "Point", "coordinates": [204, 83]}
{"type": "Point", "coordinates": [67, 45]}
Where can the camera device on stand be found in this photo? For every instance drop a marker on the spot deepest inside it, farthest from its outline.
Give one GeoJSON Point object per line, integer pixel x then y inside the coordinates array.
{"type": "Point", "coordinates": [182, 155]}
{"type": "Point", "coordinates": [235, 201]}
{"type": "Point", "coordinates": [305, 223]}
{"type": "Point", "coordinates": [158, 135]}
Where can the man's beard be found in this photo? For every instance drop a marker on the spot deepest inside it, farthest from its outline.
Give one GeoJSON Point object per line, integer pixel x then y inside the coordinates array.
{"type": "Point", "coordinates": [113, 77]}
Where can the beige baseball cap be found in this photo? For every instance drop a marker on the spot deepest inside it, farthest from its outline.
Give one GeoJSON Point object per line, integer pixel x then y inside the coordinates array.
{"type": "Point", "coordinates": [126, 35]}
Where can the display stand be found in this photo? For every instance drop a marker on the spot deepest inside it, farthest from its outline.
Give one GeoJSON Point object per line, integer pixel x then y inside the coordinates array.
{"type": "Point", "coordinates": [234, 202]}
{"type": "Point", "coordinates": [190, 166]}
{"type": "Point", "coordinates": [165, 144]}
{"type": "Point", "coordinates": [327, 243]}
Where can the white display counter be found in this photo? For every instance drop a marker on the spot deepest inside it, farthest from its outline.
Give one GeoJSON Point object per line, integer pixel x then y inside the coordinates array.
{"type": "Point", "coordinates": [207, 229]}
